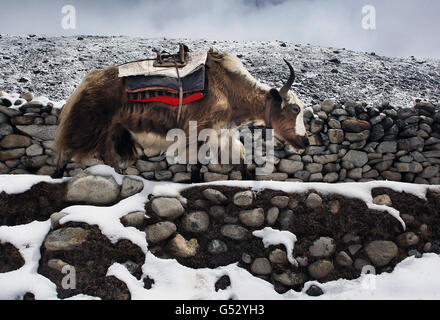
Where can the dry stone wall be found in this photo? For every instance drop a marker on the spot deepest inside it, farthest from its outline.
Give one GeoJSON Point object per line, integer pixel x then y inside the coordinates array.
{"type": "Point", "coordinates": [348, 142]}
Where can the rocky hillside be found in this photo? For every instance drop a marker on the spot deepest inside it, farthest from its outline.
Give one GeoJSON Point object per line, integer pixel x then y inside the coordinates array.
{"type": "Point", "coordinates": [53, 67]}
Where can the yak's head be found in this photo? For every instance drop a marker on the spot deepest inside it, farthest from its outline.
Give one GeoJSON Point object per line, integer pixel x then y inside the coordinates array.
{"type": "Point", "coordinates": [285, 114]}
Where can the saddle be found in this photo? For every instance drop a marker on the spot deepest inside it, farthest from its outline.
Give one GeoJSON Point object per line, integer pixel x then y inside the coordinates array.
{"type": "Point", "coordinates": [175, 80]}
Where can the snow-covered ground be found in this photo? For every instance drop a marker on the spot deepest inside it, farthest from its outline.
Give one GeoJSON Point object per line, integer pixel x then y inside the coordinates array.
{"type": "Point", "coordinates": [53, 67]}
{"type": "Point", "coordinates": [411, 279]}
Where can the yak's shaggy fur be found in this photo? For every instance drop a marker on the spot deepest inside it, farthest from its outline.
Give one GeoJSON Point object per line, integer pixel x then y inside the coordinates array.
{"type": "Point", "coordinates": [99, 121]}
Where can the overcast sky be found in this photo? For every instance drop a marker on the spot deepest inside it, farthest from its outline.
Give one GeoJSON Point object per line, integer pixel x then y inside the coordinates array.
{"type": "Point", "coordinates": [403, 27]}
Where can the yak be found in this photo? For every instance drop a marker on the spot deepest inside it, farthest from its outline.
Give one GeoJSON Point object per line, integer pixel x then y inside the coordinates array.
{"type": "Point", "coordinates": [99, 121]}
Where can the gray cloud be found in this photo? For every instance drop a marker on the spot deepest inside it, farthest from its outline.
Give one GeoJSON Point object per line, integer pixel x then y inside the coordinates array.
{"type": "Point", "coordinates": [404, 27]}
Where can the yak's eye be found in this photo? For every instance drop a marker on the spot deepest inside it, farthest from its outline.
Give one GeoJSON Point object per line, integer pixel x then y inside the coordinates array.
{"type": "Point", "coordinates": [296, 109]}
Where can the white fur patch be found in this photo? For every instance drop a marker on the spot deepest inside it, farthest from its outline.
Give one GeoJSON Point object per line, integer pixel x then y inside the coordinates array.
{"type": "Point", "coordinates": [233, 64]}
{"type": "Point", "coordinates": [152, 144]}
{"type": "Point", "coordinates": [299, 125]}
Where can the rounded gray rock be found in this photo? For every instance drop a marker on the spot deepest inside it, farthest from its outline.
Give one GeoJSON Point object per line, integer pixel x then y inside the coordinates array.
{"type": "Point", "coordinates": [278, 256]}
{"type": "Point", "coordinates": [15, 141]}
{"type": "Point", "coordinates": [243, 199]}
{"type": "Point", "coordinates": [290, 166]}
{"type": "Point", "coordinates": [322, 247]}
{"type": "Point", "coordinates": [246, 258]}
{"type": "Point", "coordinates": [196, 222]}
{"type": "Point", "coordinates": [261, 266]}
{"type": "Point", "coordinates": [313, 201]}
{"type": "Point", "coordinates": [280, 201]}
{"type": "Point", "coordinates": [381, 252]}
{"type": "Point", "coordinates": [320, 269]}
{"type": "Point", "coordinates": [214, 196]}
{"type": "Point", "coordinates": [234, 231]}
{"type": "Point", "coordinates": [134, 219]}
{"type": "Point", "coordinates": [343, 259]}
{"type": "Point", "coordinates": [358, 158]}
{"type": "Point", "coordinates": [168, 208]}
{"type": "Point", "coordinates": [272, 215]}
{"type": "Point", "coordinates": [160, 231]}
{"type": "Point", "coordinates": [65, 239]}
{"type": "Point", "coordinates": [130, 187]}
{"type": "Point", "coordinates": [252, 218]}
{"type": "Point", "coordinates": [92, 189]}
{"type": "Point", "coordinates": [34, 150]}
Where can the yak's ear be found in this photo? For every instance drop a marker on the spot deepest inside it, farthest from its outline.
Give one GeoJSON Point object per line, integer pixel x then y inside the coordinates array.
{"type": "Point", "coordinates": [274, 99]}
{"type": "Point", "coordinates": [275, 95]}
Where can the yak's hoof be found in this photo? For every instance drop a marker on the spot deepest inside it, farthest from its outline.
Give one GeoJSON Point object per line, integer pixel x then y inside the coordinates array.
{"type": "Point", "coordinates": [196, 176]}
{"type": "Point", "coordinates": [57, 174]}
{"type": "Point", "coordinates": [246, 173]}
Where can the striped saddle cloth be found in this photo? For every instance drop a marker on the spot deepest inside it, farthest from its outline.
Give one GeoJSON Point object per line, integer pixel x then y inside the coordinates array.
{"type": "Point", "coordinates": [145, 83]}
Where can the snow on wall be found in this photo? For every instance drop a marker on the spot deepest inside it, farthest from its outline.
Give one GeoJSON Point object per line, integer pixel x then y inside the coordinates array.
{"type": "Point", "coordinates": [411, 279]}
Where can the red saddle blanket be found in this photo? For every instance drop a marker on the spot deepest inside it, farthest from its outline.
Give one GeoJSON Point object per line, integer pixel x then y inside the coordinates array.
{"type": "Point", "coordinates": [157, 88]}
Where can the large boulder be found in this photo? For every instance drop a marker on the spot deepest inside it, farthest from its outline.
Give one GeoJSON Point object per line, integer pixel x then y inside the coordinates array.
{"type": "Point", "coordinates": [96, 190]}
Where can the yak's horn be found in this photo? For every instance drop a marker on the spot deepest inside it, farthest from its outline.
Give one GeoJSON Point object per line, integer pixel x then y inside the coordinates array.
{"type": "Point", "coordinates": [288, 85]}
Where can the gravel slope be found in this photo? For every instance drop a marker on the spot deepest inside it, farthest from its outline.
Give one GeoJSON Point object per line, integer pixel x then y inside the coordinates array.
{"type": "Point", "coordinates": [54, 66]}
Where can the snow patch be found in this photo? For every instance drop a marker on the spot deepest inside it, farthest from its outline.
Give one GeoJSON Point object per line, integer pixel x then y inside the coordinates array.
{"type": "Point", "coordinates": [413, 278]}
{"type": "Point", "coordinates": [273, 237]}
{"type": "Point", "coordinates": [15, 184]}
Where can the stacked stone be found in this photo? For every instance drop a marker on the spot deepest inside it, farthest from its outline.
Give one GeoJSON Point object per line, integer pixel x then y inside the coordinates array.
{"type": "Point", "coordinates": [177, 230]}
{"type": "Point", "coordinates": [324, 259]}
{"type": "Point", "coordinates": [26, 136]}
{"type": "Point", "coordinates": [348, 142]}
{"type": "Point", "coordinates": [353, 142]}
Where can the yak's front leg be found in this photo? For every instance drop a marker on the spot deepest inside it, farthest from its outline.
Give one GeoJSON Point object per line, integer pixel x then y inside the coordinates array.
{"type": "Point", "coordinates": [62, 161]}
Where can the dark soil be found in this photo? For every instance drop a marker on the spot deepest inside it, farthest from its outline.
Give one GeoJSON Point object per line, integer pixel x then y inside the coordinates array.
{"type": "Point", "coordinates": [97, 254]}
{"type": "Point", "coordinates": [38, 203]}
{"type": "Point", "coordinates": [10, 258]}
{"type": "Point", "coordinates": [309, 224]}
{"type": "Point", "coordinates": [91, 262]}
